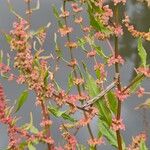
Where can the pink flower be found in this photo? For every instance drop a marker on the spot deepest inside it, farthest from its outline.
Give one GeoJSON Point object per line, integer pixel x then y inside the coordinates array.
{"type": "Point", "coordinates": [65, 30]}
{"type": "Point", "coordinates": [112, 60]}
{"type": "Point", "coordinates": [4, 68]}
{"type": "Point", "coordinates": [136, 141]}
{"type": "Point", "coordinates": [121, 95]}
{"type": "Point", "coordinates": [117, 124]}
{"type": "Point", "coordinates": [98, 3]}
{"type": "Point", "coordinates": [119, 1]}
{"type": "Point", "coordinates": [144, 70]}
{"type": "Point", "coordinates": [64, 14]}
{"type": "Point", "coordinates": [118, 31]}
{"type": "Point", "coordinates": [95, 141]}
{"type": "Point", "coordinates": [92, 53]}
{"type": "Point", "coordinates": [78, 81]}
{"type": "Point", "coordinates": [140, 91]}
{"type": "Point", "coordinates": [86, 29]}
{"type": "Point", "coordinates": [75, 7]}
{"type": "Point", "coordinates": [78, 20]}
{"type": "Point", "coordinates": [11, 77]}
{"type": "Point", "coordinates": [48, 140]}
{"type": "Point", "coordinates": [45, 123]}
{"type": "Point", "coordinates": [2, 103]}
{"type": "Point", "coordinates": [21, 79]}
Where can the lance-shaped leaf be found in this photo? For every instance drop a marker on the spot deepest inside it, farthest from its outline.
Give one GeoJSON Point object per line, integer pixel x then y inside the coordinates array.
{"type": "Point", "coordinates": [1, 56]}
{"type": "Point", "coordinates": [70, 82]}
{"type": "Point", "coordinates": [57, 113]}
{"type": "Point", "coordinates": [57, 47]}
{"type": "Point", "coordinates": [11, 8]}
{"type": "Point", "coordinates": [142, 52]}
{"type": "Point", "coordinates": [105, 131]}
{"type": "Point", "coordinates": [56, 14]}
{"type": "Point", "coordinates": [81, 147]}
{"type": "Point", "coordinates": [112, 102]}
{"type": "Point", "coordinates": [143, 146]}
{"type": "Point", "coordinates": [93, 91]}
{"type": "Point", "coordinates": [31, 147]}
{"type": "Point", "coordinates": [8, 37]}
{"type": "Point", "coordinates": [136, 84]}
{"type": "Point", "coordinates": [96, 24]}
{"type": "Point", "coordinates": [22, 99]}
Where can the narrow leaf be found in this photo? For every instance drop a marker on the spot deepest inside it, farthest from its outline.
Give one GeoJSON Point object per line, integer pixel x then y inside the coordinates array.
{"type": "Point", "coordinates": [22, 99]}
{"type": "Point", "coordinates": [142, 52]}
{"type": "Point", "coordinates": [57, 113]}
{"type": "Point", "coordinates": [31, 147]}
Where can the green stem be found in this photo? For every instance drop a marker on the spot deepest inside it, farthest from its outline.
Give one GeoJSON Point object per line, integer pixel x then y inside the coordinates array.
{"type": "Point", "coordinates": [118, 134]}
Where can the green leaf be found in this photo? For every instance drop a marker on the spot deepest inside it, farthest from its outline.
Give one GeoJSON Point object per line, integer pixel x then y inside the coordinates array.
{"type": "Point", "coordinates": [110, 135]}
{"type": "Point", "coordinates": [57, 113]}
{"type": "Point", "coordinates": [142, 52]}
{"type": "Point", "coordinates": [57, 47]}
{"type": "Point", "coordinates": [8, 59]}
{"type": "Point", "coordinates": [46, 77]}
{"type": "Point", "coordinates": [8, 38]}
{"type": "Point", "coordinates": [134, 87]}
{"type": "Point", "coordinates": [100, 52]}
{"type": "Point", "coordinates": [81, 147]}
{"type": "Point", "coordinates": [91, 85]}
{"type": "Point", "coordinates": [33, 130]}
{"type": "Point", "coordinates": [22, 99]}
{"type": "Point", "coordinates": [70, 82]}
{"type": "Point", "coordinates": [93, 90]}
{"type": "Point", "coordinates": [1, 56]}
{"type": "Point", "coordinates": [81, 42]}
{"type": "Point", "coordinates": [96, 24]}
{"type": "Point", "coordinates": [112, 102]}
{"type": "Point", "coordinates": [31, 147]}
{"type": "Point", "coordinates": [56, 14]}
{"type": "Point", "coordinates": [104, 112]}
{"type": "Point", "coordinates": [143, 146]}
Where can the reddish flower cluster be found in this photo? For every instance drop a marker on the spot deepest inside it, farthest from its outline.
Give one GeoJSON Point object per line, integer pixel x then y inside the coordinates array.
{"type": "Point", "coordinates": [105, 16]}
{"type": "Point", "coordinates": [118, 31]}
{"type": "Point", "coordinates": [136, 141]}
{"type": "Point", "coordinates": [65, 30]}
{"type": "Point", "coordinates": [117, 124]}
{"type": "Point", "coordinates": [122, 95]}
{"type": "Point", "coordinates": [2, 103]}
{"type": "Point", "coordinates": [75, 8]}
{"type": "Point", "coordinates": [4, 68]}
{"type": "Point", "coordinates": [78, 81]}
{"type": "Point", "coordinates": [78, 20]}
{"type": "Point", "coordinates": [92, 53]}
{"type": "Point", "coordinates": [119, 1]}
{"type": "Point", "coordinates": [140, 91]}
{"type": "Point", "coordinates": [101, 35]}
{"type": "Point", "coordinates": [95, 141]}
{"type": "Point", "coordinates": [64, 14]}
{"type": "Point", "coordinates": [112, 60]}
{"type": "Point", "coordinates": [134, 32]}
{"type": "Point", "coordinates": [88, 117]}
{"type": "Point", "coordinates": [144, 70]}
{"type": "Point", "coordinates": [71, 141]}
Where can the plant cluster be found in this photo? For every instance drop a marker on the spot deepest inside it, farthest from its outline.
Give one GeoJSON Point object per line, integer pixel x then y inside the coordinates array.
{"type": "Point", "coordinates": [86, 91]}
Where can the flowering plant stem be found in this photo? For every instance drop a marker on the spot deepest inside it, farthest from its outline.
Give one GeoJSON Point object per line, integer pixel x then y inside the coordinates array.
{"type": "Point", "coordinates": [119, 140]}
{"type": "Point", "coordinates": [75, 73]}
{"type": "Point", "coordinates": [43, 107]}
